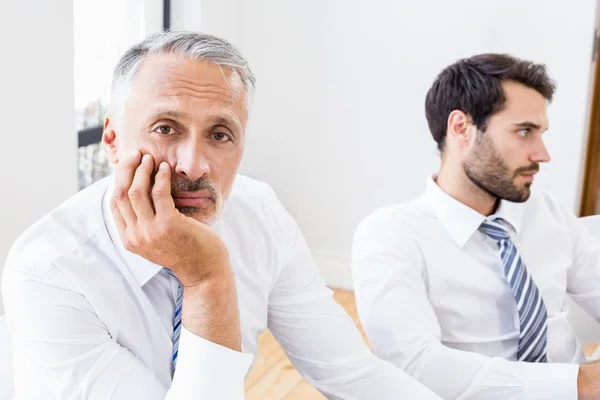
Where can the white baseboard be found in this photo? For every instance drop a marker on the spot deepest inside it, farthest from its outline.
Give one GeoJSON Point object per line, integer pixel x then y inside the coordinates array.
{"type": "Point", "coordinates": [335, 270]}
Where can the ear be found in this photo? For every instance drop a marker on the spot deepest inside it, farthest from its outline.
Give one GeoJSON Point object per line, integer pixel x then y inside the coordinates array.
{"type": "Point", "coordinates": [458, 128]}
{"type": "Point", "coordinates": [110, 141]}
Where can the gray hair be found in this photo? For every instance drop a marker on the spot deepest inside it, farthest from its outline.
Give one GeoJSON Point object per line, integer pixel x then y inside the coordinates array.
{"type": "Point", "coordinates": [198, 46]}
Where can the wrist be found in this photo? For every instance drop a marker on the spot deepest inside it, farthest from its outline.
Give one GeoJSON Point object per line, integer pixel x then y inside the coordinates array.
{"type": "Point", "coordinates": [587, 387]}
{"type": "Point", "coordinates": [210, 310]}
{"type": "Point", "coordinates": [206, 271]}
{"type": "Point", "coordinates": [215, 281]}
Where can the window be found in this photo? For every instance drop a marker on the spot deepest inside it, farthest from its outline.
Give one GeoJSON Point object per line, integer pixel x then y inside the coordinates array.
{"type": "Point", "coordinates": [104, 30]}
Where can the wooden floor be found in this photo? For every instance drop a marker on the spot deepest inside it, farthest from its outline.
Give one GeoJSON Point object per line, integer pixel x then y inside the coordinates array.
{"type": "Point", "coordinates": [273, 377]}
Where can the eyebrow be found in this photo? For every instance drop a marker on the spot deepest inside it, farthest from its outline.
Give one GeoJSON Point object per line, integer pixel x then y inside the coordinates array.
{"type": "Point", "coordinates": [220, 120]}
{"type": "Point", "coordinates": [160, 113]}
{"type": "Point", "coordinates": [215, 120]}
{"type": "Point", "coordinates": [527, 124]}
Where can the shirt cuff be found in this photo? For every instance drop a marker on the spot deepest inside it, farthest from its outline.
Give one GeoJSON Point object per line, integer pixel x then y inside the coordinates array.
{"type": "Point", "coordinates": [206, 370]}
{"type": "Point", "coordinates": [551, 381]}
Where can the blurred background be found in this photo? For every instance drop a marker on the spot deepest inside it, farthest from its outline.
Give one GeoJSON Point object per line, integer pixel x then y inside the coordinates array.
{"type": "Point", "coordinates": [337, 126]}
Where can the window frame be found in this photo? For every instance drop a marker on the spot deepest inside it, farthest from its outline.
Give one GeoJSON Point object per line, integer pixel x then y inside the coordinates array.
{"type": "Point", "coordinates": [93, 135]}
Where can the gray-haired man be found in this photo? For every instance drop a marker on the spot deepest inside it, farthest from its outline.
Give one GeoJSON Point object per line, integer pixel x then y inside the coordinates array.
{"type": "Point", "coordinates": [155, 283]}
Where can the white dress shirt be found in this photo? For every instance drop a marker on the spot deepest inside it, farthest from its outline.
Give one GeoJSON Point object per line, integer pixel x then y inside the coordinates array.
{"type": "Point", "coordinates": [92, 320]}
{"type": "Point", "coordinates": [433, 299]}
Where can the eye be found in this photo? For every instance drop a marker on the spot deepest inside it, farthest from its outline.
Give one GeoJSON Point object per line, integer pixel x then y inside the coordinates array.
{"type": "Point", "coordinates": [164, 130]}
{"type": "Point", "coordinates": [524, 132]}
{"type": "Point", "coordinates": [221, 137]}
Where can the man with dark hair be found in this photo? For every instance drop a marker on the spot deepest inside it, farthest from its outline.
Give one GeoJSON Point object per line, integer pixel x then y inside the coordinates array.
{"type": "Point", "coordinates": [479, 267]}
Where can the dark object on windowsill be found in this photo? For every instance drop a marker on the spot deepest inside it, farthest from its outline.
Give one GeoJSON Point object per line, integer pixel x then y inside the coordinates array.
{"type": "Point", "coordinates": [88, 136]}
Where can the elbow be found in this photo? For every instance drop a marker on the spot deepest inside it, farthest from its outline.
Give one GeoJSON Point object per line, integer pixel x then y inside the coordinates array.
{"type": "Point", "coordinates": [409, 356]}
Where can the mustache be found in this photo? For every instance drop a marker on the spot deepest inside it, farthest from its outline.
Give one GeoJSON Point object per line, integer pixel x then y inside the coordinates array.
{"type": "Point", "coordinates": [179, 185]}
{"type": "Point", "coordinates": [535, 167]}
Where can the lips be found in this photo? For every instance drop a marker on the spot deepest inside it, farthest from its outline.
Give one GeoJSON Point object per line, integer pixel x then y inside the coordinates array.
{"type": "Point", "coordinates": [528, 175]}
{"type": "Point", "coordinates": [193, 195]}
{"type": "Point", "coordinates": [200, 199]}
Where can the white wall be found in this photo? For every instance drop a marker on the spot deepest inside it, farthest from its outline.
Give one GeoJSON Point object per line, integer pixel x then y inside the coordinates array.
{"type": "Point", "coordinates": [38, 145]}
{"type": "Point", "coordinates": [338, 126]}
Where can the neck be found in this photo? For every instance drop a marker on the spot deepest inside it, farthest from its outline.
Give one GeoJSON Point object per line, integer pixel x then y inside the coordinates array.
{"type": "Point", "coordinates": [457, 185]}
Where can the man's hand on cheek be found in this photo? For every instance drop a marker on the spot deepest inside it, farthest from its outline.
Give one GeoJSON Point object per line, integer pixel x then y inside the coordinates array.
{"type": "Point", "coordinates": [150, 225]}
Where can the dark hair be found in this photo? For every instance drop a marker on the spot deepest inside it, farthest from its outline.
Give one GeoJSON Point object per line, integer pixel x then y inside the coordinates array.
{"type": "Point", "coordinates": [474, 86]}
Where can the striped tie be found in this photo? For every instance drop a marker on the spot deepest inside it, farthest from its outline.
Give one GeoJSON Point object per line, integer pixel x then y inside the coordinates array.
{"type": "Point", "coordinates": [532, 311]}
{"type": "Point", "coordinates": [176, 318]}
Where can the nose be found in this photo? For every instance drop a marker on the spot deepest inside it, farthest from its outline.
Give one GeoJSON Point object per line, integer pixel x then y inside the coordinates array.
{"type": "Point", "coordinates": [540, 153]}
{"type": "Point", "coordinates": [192, 162]}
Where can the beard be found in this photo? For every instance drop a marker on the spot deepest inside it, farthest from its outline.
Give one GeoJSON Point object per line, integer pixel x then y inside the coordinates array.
{"type": "Point", "coordinates": [207, 215]}
{"type": "Point", "coordinates": [488, 171]}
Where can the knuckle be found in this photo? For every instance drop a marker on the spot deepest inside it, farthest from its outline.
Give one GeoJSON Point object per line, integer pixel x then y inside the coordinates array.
{"type": "Point", "coordinates": [118, 195]}
{"type": "Point", "coordinates": [158, 229]}
{"type": "Point", "coordinates": [130, 243]}
{"type": "Point", "coordinates": [147, 238]}
{"type": "Point", "coordinates": [135, 241]}
{"type": "Point", "coordinates": [113, 204]}
{"type": "Point", "coordinates": [134, 193]}
{"type": "Point", "coordinates": [159, 192]}
{"type": "Point", "coordinates": [165, 228]}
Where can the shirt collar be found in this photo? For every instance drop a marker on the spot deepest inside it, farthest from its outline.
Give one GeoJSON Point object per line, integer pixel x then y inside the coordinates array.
{"type": "Point", "coordinates": [460, 220]}
{"type": "Point", "coordinates": [142, 269]}
{"type": "Point", "coordinates": [511, 213]}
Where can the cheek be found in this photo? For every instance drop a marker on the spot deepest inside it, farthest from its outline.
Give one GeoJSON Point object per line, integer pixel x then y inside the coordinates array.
{"type": "Point", "coordinates": [505, 146]}
{"type": "Point", "coordinates": [224, 167]}
{"type": "Point", "coordinates": [126, 143]}
{"type": "Point", "coordinates": [159, 151]}
{"type": "Point", "coordinates": [515, 156]}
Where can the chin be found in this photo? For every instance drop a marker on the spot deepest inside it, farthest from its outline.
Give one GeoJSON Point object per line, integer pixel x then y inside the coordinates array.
{"type": "Point", "coordinates": [513, 193]}
{"type": "Point", "coordinates": [207, 217]}
{"type": "Point", "coordinates": [523, 195]}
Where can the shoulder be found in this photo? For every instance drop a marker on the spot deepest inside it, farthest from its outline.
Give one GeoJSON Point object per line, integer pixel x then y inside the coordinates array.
{"type": "Point", "coordinates": [62, 231]}
{"type": "Point", "coordinates": [249, 192]}
{"type": "Point", "coordinates": [392, 232]}
{"type": "Point", "coordinates": [399, 219]}
{"type": "Point", "coordinates": [542, 205]}
{"type": "Point", "coordinates": [255, 202]}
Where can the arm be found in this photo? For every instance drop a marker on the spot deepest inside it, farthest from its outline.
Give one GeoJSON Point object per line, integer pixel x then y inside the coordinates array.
{"type": "Point", "coordinates": [61, 343]}
{"type": "Point", "coordinates": [210, 345]}
{"type": "Point", "coordinates": [63, 349]}
{"type": "Point", "coordinates": [403, 329]}
{"type": "Point", "coordinates": [150, 225]}
{"type": "Point", "coordinates": [320, 339]}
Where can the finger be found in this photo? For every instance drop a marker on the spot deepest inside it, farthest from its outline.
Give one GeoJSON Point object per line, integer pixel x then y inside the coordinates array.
{"type": "Point", "coordinates": [161, 192]}
{"type": "Point", "coordinates": [139, 192]}
{"type": "Point", "coordinates": [123, 178]}
{"type": "Point", "coordinates": [119, 221]}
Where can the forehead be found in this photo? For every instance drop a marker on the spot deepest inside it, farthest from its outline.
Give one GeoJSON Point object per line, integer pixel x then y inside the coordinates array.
{"type": "Point", "coordinates": [186, 81]}
{"type": "Point", "coordinates": [523, 104]}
